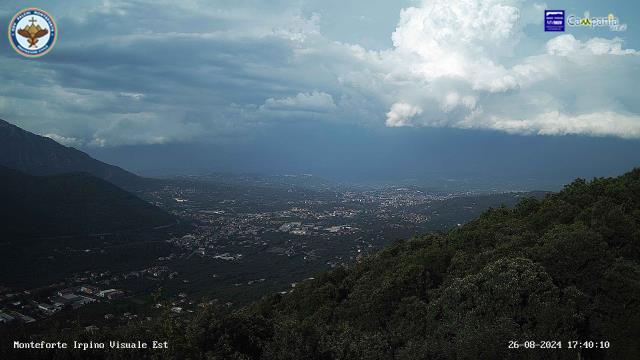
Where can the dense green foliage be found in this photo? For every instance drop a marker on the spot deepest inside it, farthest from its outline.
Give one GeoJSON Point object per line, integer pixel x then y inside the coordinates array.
{"type": "Point", "coordinates": [563, 268]}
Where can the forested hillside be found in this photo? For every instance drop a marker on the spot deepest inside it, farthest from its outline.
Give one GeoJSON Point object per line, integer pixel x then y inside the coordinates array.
{"type": "Point", "coordinates": [69, 204]}
{"type": "Point", "coordinates": [563, 268]}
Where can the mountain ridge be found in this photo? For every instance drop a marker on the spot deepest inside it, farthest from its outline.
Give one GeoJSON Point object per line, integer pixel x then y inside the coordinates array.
{"type": "Point", "coordinates": [39, 155]}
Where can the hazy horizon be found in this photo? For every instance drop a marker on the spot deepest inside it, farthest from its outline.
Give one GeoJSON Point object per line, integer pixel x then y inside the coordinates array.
{"type": "Point", "coordinates": [423, 155]}
{"type": "Point", "coordinates": [382, 92]}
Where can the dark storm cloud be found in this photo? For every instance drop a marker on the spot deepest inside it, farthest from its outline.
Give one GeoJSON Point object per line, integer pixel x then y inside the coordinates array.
{"type": "Point", "coordinates": [158, 70]}
{"type": "Point", "coordinates": [142, 71]}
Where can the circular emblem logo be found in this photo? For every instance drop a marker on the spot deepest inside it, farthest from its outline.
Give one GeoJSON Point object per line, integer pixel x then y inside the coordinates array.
{"type": "Point", "coordinates": [32, 32]}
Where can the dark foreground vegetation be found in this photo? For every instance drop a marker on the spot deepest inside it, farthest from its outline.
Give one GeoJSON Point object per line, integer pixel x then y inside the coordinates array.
{"type": "Point", "coordinates": [565, 268]}
{"type": "Point", "coordinates": [69, 205]}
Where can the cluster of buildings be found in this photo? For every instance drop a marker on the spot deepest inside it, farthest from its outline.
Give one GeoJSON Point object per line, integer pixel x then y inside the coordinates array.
{"type": "Point", "coordinates": [317, 229]}
{"type": "Point", "coordinates": [25, 307]}
{"type": "Point", "coordinates": [229, 225]}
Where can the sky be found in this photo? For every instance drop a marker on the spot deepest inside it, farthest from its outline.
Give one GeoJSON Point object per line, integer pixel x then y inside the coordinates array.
{"type": "Point", "coordinates": [353, 90]}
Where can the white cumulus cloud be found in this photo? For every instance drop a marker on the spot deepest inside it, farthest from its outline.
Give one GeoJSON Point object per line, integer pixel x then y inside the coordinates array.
{"type": "Point", "coordinates": [555, 123]}
{"type": "Point", "coordinates": [64, 140]}
{"type": "Point", "coordinates": [464, 64]}
{"type": "Point", "coordinates": [457, 59]}
{"type": "Point", "coordinates": [312, 102]}
{"type": "Point", "coordinates": [401, 114]}
{"type": "Point", "coordinates": [568, 45]}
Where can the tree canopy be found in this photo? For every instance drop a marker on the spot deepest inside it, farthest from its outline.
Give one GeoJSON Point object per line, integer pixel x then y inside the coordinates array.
{"type": "Point", "coordinates": [563, 268]}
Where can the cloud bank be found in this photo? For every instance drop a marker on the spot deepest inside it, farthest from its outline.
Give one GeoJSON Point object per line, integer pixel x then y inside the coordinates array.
{"type": "Point", "coordinates": [311, 102]}
{"type": "Point", "coordinates": [163, 71]}
{"type": "Point", "coordinates": [456, 63]}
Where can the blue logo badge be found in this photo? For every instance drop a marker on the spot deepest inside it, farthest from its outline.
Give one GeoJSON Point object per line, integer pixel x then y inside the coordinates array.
{"type": "Point", "coordinates": [32, 32]}
{"type": "Point", "coordinates": [554, 20]}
